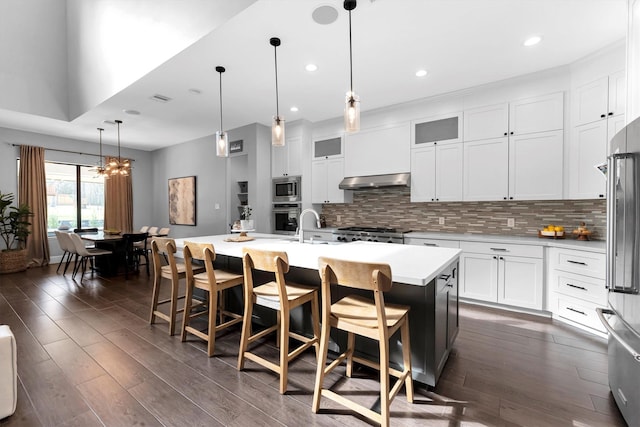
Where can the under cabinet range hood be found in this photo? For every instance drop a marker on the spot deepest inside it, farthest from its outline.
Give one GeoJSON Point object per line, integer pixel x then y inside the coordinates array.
{"type": "Point", "coordinates": [376, 181]}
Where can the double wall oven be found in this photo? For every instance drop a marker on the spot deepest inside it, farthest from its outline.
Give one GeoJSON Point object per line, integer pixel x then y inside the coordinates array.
{"type": "Point", "coordinates": [287, 198]}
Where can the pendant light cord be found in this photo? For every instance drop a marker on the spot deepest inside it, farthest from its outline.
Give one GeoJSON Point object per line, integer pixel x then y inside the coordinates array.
{"type": "Point", "coordinates": [350, 57]}
{"type": "Point", "coordinates": [119, 159]}
{"type": "Point", "coordinates": [275, 56]}
{"type": "Point", "coordinates": [221, 128]}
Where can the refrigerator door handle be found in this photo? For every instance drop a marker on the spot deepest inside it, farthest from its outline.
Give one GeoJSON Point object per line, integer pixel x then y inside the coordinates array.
{"type": "Point", "coordinates": [601, 312]}
{"type": "Point", "coordinates": [612, 173]}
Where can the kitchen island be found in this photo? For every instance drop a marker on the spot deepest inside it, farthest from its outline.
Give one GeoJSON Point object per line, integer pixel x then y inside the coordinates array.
{"type": "Point", "coordinates": [425, 278]}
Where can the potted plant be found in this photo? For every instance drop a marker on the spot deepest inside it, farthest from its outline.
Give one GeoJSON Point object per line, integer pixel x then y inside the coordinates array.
{"type": "Point", "coordinates": [14, 230]}
{"type": "Point", "coordinates": [245, 218]}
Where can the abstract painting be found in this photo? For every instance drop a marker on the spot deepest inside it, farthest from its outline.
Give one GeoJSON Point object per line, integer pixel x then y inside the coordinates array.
{"type": "Point", "coordinates": [182, 200]}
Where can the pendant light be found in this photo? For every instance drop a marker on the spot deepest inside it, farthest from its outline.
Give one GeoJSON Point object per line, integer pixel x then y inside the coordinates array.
{"type": "Point", "coordinates": [277, 126]}
{"type": "Point", "coordinates": [222, 138]}
{"type": "Point", "coordinates": [101, 170]}
{"type": "Point", "coordinates": [119, 167]}
{"type": "Point", "coordinates": [352, 102]}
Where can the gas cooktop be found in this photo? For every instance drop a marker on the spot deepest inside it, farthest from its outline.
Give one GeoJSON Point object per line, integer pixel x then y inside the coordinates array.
{"type": "Point", "coordinates": [372, 229]}
{"type": "Point", "coordinates": [372, 234]}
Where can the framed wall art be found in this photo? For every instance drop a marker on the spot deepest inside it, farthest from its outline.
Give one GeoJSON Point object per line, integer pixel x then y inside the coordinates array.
{"type": "Point", "coordinates": [182, 200]}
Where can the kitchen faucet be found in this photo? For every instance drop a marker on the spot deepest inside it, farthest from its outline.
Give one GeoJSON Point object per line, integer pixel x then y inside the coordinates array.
{"type": "Point", "coordinates": [301, 224]}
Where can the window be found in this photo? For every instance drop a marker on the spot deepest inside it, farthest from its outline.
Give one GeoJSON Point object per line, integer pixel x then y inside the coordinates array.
{"type": "Point", "coordinates": [75, 197]}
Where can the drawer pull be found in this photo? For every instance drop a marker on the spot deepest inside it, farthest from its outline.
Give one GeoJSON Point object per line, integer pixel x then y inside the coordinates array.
{"type": "Point", "coordinates": [498, 249]}
{"type": "Point", "coordinates": [576, 311]}
{"type": "Point", "coordinates": [430, 244]}
{"type": "Point", "coordinates": [577, 262]}
{"type": "Point", "coordinates": [576, 286]}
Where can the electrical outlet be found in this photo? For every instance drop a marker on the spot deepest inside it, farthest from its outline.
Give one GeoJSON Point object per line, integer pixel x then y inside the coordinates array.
{"type": "Point", "coordinates": [511, 222]}
{"type": "Point", "coordinates": [217, 206]}
{"type": "Point", "coordinates": [338, 218]}
{"type": "Point", "coordinates": [441, 220]}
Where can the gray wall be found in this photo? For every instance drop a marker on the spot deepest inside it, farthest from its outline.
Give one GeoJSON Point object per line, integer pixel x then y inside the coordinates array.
{"type": "Point", "coordinates": [141, 173]}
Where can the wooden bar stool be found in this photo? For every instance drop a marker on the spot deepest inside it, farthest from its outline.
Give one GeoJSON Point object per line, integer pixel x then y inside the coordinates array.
{"type": "Point", "coordinates": [277, 295]}
{"type": "Point", "coordinates": [362, 316]}
{"type": "Point", "coordinates": [215, 282]}
{"type": "Point", "coordinates": [174, 271]}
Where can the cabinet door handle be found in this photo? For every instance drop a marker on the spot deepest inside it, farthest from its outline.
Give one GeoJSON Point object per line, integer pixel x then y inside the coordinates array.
{"type": "Point", "coordinates": [602, 116]}
{"type": "Point", "coordinates": [601, 196]}
{"type": "Point", "coordinates": [504, 198]}
{"type": "Point", "coordinates": [430, 244]}
{"type": "Point", "coordinates": [576, 262]}
{"type": "Point", "coordinates": [505, 134]}
{"type": "Point", "coordinates": [501, 258]}
{"type": "Point", "coordinates": [511, 132]}
{"type": "Point", "coordinates": [610, 113]}
{"type": "Point", "coordinates": [576, 311]}
{"type": "Point", "coordinates": [576, 286]}
{"type": "Point", "coordinates": [499, 249]}
{"type": "Point", "coordinates": [495, 257]}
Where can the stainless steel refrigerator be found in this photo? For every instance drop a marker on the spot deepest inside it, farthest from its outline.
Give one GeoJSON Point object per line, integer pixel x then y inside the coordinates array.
{"type": "Point", "coordinates": [622, 317]}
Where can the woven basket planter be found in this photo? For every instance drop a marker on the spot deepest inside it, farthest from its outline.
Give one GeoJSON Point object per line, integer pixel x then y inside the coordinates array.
{"type": "Point", "coordinates": [13, 261]}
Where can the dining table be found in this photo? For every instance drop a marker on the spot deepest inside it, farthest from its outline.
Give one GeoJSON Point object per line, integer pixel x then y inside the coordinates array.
{"type": "Point", "coordinates": [114, 264]}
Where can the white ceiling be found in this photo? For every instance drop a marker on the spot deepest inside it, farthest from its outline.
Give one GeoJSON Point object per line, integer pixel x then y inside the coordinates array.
{"type": "Point", "coordinates": [461, 43]}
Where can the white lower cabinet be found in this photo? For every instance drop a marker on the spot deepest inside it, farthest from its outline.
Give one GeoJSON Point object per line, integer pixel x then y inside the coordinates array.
{"type": "Point", "coordinates": [576, 286]}
{"type": "Point", "coordinates": [504, 274]}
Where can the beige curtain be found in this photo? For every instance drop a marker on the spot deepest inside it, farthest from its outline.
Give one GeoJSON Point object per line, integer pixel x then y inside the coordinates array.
{"type": "Point", "coordinates": [118, 203]}
{"type": "Point", "coordinates": [32, 190]}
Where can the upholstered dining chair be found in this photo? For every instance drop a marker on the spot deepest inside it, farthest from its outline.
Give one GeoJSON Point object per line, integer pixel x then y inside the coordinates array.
{"type": "Point", "coordinates": [71, 249]}
{"type": "Point", "coordinates": [85, 254]}
{"type": "Point", "coordinates": [135, 246]}
{"type": "Point", "coordinates": [371, 318]}
{"type": "Point", "coordinates": [65, 249]}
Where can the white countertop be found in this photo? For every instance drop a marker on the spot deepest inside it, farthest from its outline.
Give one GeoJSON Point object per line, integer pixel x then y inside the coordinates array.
{"type": "Point", "coordinates": [413, 265]}
{"type": "Point", "coordinates": [568, 243]}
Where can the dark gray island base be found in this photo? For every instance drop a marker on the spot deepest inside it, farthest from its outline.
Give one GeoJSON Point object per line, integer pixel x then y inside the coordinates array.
{"type": "Point", "coordinates": [427, 282]}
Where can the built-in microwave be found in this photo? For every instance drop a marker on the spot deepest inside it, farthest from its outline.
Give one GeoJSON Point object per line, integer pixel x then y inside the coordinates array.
{"type": "Point", "coordinates": [287, 189]}
{"type": "Point", "coordinates": [285, 218]}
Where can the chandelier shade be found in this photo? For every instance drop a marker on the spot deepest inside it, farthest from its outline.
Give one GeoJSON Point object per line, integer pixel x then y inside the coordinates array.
{"type": "Point", "coordinates": [119, 166]}
{"type": "Point", "coordinates": [277, 125]}
{"type": "Point", "coordinates": [352, 101]}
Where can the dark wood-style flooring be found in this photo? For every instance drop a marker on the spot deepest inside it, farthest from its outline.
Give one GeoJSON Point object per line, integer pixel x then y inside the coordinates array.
{"type": "Point", "coordinates": [88, 357]}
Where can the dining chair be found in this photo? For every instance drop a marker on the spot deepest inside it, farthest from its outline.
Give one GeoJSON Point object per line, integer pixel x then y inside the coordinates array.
{"type": "Point", "coordinates": [153, 231]}
{"type": "Point", "coordinates": [281, 296]}
{"type": "Point", "coordinates": [63, 245]}
{"type": "Point", "coordinates": [371, 318]}
{"type": "Point", "coordinates": [85, 254]}
{"type": "Point", "coordinates": [164, 231]}
{"type": "Point", "coordinates": [162, 249]}
{"type": "Point", "coordinates": [135, 246]}
{"type": "Point", "coordinates": [214, 282]}
{"type": "Point", "coordinates": [144, 229]}
{"type": "Point", "coordinates": [71, 248]}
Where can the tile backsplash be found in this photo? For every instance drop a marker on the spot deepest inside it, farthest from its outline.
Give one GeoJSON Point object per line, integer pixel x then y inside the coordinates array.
{"type": "Point", "coordinates": [391, 207]}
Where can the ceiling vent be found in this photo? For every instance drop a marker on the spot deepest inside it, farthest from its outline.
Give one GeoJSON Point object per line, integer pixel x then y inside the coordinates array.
{"type": "Point", "coordinates": [160, 98]}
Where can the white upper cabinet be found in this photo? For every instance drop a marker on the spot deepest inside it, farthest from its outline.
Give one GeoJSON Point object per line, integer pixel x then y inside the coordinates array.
{"type": "Point", "coordinates": [486, 122]}
{"type": "Point", "coordinates": [599, 99]}
{"type": "Point", "coordinates": [535, 166]}
{"type": "Point", "coordinates": [443, 129]}
{"type": "Point", "coordinates": [326, 175]}
{"type": "Point", "coordinates": [537, 114]}
{"type": "Point", "coordinates": [436, 173]}
{"type": "Point", "coordinates": [378, 151]}
{"type": "Point", "coordinates": [486, 170]}
{"type": "Point", "coordinates": [287, 160]}
{"type": "Point", "coordinates": [325, 148]}
{"type": "Point", "coordinates": [599, 108]}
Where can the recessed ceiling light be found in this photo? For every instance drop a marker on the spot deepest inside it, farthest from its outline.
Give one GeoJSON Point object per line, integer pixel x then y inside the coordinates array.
{"type": "Point", "coordinates": [532, 41]}
{"type": "Point", "coordinates": [311, 67]}
{"type": "Point", "coordinates": [421, 73]}
{"type": "Point", "coordinates": [160, 98]}
{"type": "Point", "coordinates": [294, 109]}
{"type": "Point", "coordinates": [324, 15]}
{"type": "Point", "coordinates": [132, 112]}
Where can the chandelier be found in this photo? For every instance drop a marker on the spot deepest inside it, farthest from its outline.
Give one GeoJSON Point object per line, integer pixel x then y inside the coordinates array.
{"type": "Point", "coordinates": [100, 169]}
{"type": "Point", "coordinates": [118, 167]}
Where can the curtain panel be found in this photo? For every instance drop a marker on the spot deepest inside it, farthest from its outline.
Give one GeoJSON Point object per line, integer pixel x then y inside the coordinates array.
{"type": "Point", "coordinates": [118, 203]}
{"type": "Point", "coordinates": [32, 191]}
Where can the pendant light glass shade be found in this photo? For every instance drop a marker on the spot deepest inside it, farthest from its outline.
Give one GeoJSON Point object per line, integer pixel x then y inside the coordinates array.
{"type": "Point", "coordinates": [101, 170]}
{"type": "Point", "coordinates": [277, 125]}
{"type": "Point", "coordinates": [352, 103]}
{"type": "Point", "coordinates": [277, 131]}
{"type": "Point", "coordinates": [119, 166]}
{"type": "Point", "coordinates": [222, 139]}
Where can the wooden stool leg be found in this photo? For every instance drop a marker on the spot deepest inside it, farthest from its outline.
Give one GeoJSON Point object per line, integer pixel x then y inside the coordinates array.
{"type": "Point", "coordinates": [246, 329]}
{"type": "Point", "coordinates": [322, 362]}
{"type": "Point", "coordinates": [384, 381]}
{"type": "Point", "coordinates": [278, 329]}
{"type": "Point", "coordinates": [154, 299]}
{"type": "Point", "coordinates": [213, 305]}
{"type": "Point", "coordinates": [186, 313]}
{"type": "Point", "coordinates": [284, 350]}
{"type": "Point", "coordinates": [406, 358]}
{"type": "Point", "coordinates": [173, 305]}
{"type": "Point", "coordinates": [315, 318]}
{"type": "Point", "coordinates": [351, 344]}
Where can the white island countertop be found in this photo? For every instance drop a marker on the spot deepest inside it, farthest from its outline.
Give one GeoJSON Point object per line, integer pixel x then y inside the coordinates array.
{"type": "Point", "coordinates": [413, 265]}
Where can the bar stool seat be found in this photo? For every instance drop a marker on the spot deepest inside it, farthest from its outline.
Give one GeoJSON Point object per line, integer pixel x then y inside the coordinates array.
{"type": "Point", "coordinates": [215, 282]}
{"type": "Point", "coordinates": [174, 272]}
{"type": "Point", "coordinates": [281, 296]}
{"type": "Point", "coordinates": [366, 317]}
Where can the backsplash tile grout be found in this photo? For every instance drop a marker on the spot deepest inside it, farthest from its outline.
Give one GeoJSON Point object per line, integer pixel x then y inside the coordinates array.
{"type": "Point", "coordinates": [392, 207]}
